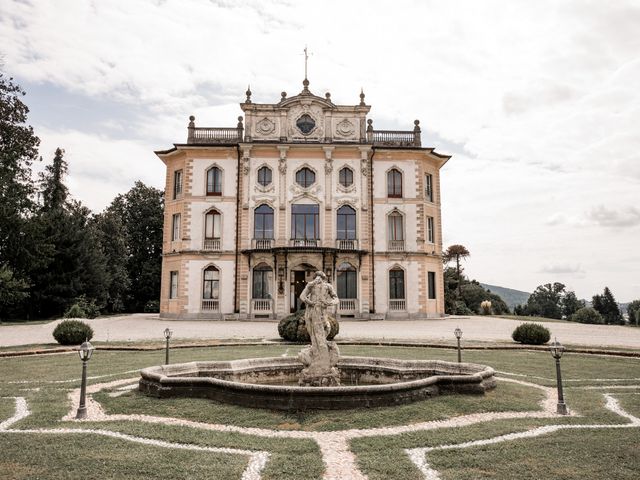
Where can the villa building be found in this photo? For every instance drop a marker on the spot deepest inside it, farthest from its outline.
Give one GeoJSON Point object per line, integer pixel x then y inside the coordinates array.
{"type": "Point", "coordinates": [252, 211]}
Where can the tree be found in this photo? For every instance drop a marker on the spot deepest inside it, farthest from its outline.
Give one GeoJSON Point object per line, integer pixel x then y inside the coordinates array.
{"type": "Point", "coordinates": [141, 211]}
{"type": "Point", "coordinates": [571, 304]}
{"type": "Point", "coordinates": [18, 151]}
{"type": "Point", "coordinates": [457, 253]}
{"type": "Point", "coordinates": [545, 301]}
{"type": "Point", "coordinates": [633, 309]}
{"type": "Point", "coordinates": [12, 291]}
{"type": "Point", "coordinates": [608, 307]}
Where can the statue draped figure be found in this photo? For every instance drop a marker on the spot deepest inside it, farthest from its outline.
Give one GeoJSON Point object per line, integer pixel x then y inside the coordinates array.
{"type": "Point", "coordinates": [321, 357]}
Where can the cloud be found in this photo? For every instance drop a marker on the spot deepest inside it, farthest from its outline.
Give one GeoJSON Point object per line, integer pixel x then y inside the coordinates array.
{"type": "Point", "coordinates": [562, 269]}
{"type": "Point", "coordinates": [624, 218]}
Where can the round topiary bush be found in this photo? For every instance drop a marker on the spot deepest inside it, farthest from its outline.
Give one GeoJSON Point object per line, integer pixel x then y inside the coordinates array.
{"type": "Point", "coordinates": [587, 315]}
{"type": "Point", "coordinates": [531, 334]}
{"type": "Point", "coordinates": [292, 328]}
{"type": "Point", "coordinates": [72, 332]}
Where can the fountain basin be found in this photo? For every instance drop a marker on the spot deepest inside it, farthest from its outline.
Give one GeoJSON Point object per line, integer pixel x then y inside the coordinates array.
{"type": "Point", "coordinates": [272, 382]}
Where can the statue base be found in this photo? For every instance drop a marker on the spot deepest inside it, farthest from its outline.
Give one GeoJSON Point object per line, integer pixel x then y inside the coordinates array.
{"type": "Point", "coordinates": [320, 366]}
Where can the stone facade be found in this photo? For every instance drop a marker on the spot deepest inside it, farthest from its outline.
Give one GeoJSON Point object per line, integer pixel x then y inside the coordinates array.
{"type": "Point", "coordinates": [298, 186]}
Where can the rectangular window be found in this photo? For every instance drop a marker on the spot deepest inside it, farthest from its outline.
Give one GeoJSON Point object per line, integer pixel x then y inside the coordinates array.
{"type": "Point", "coordinates": [177, 184]}
{"type": "Point", "coordinates": [175, 227]}
{"type": "Point", "coordinates": [173, 284]}
{"type": "Point", "coordinates": [396, 229]}
{"type": "Point", "coordinates": [396, 284]}
{"type": "Point", "coordinates": [212, 228]}
{"type": "Point", "coordinates": [430, 234]}
{"type": "Point", "coordinates": [432, 285]}
{"type": "Point", "coordinates": [305, 222]}
{"type": "Point", "coordinates": [347, 284]}
{"type": "Point", "coordinates": [428, 187]}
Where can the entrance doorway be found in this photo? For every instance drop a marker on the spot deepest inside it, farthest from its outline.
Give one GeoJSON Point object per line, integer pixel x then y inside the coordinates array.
{"type": "Point", "coordinates": [299, 282]}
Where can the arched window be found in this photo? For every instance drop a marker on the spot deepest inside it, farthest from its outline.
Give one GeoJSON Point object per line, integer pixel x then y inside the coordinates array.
{"type": "Point", "coordinates": [394, 183]}
{"type": "Point", "coordinates": [212, 225]}
{"type": "Point", "coordinates": [396, 226]}
{"type": "Point", "coordinates": [263, 222]}
{"type": "Point", "coordinates": [262, 280]}
{"type": "Point", "coordinates": [214, 181]}
{"type": "Point", "coordinates": [345, 177]}
{"type": "Point", "coordinates": [347, 281]}
{"type": "Point", "coordinates": [305, 177]}
{"type": "Point", "coordinates": [396, 284]}
{"type": "Point", "coordinates": [305, 223]}
{"type": "Point", "coordinates": [211, 283]}
{"type": "Point", "coordinates": [264, 176]}
{"type": "Point", "coordinates": [346, 228]}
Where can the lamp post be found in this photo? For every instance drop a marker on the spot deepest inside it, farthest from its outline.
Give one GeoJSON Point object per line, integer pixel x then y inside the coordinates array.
{"type": "Point", "coordinates": [557, 350]}
{"type": "Point", "coordinates": [167, 336]}
{"type": "Point", "coordinates": [85, 351]}
{"type": "Point", "coordinates": [458, 333]}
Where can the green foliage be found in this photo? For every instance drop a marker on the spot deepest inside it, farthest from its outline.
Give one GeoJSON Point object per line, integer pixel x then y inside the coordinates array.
{"type": "Point", "coordinates": [293, 329]}
{"type": "Point", "coordinates": [82, 308]}
{"type": "Point", "coordinates": [72, 332]}
{"type": "Point", "coordinates": [510, 296]}
{"type": "Point", "coordinates": [460, 308]}
{"type": "Point", "coordinates": [152, 306]}
{"type": "Point", "coordinates": [633, 309]}
{"type": "Point", "coordinates": [473, 295]}
{"type": "Point", "coordinates": [546, 301]}
{"type": "Point", "coordinates": [571, 304]}
{"type": "Point", "coordinates": [531, 334]}
{"type": "Point", "coordinates": [608, 307]}
{"type": "Point", "coordinates": [587, 315]}
{"type": "Point", "coordinates": [12, 290]}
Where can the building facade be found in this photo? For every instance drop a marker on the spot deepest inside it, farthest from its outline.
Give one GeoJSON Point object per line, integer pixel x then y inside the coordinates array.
{"type": "Point", "coordinates": [252, 211]}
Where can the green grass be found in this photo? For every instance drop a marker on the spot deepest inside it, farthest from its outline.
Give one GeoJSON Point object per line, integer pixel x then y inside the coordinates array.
{"type": "Point", "coordinates": [587, 454]}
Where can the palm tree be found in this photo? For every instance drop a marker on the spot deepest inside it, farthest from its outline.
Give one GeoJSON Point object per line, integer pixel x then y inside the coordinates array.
{"type": "Point", "coordinates": [457, 252]}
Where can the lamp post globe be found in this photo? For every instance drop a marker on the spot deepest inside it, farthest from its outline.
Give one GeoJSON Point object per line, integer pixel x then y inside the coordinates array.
{"type": "Point", "coordinates": [557, 349]}
{"type": "Point", "coordinates": [84, 352]}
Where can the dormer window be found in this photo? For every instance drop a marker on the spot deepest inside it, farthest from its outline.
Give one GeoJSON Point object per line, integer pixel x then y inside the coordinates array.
{"type": "Point", "coordinates": [306, 124]}
{"type": "Point", "coordinates": [305, 177]}
{"type": "Point", "coordinates": [264, 176]}
{"type": "Point", "coordinates": [345, 177]}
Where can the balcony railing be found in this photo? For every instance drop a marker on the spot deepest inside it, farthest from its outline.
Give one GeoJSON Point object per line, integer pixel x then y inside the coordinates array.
{"type": "Point", "coordinates": [210, 135]}
{"type": "Point", "coordinates": [262, 243]}
{"type": "Point", "coordinates": [212, 244]}
{"type": "Point", "coordinates": [303, 242]}
{"type": "Point", "coordinates": [261, 305]}
{"type": "Point", "coordinates": [397, 305]}
{"type": "Point", "coordinates": [210, 305]}
{"type": "Point", "coordinates": [396, 246]}
{"type": "Point", "coordinates": [347, 244]}
{"type": "Point", "coordinates": [347, 305]}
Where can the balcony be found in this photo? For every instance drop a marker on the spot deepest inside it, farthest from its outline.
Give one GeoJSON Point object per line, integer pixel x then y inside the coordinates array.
{"type": "Point", "coordinates": [347, 306]}
{"type": "Point", "coordinates": [261, 305]}
{"type": "Point", "coordinates": [397, 305]}
{"type": "Point", "coordinates": [262, 243]}
{"type": "Point", "coordinates": [214, 135]}
{"type": "Point", "coordinates": [212, 245]}
{"type": "Point", "coordinates": [396, 246]}
{"type": "Point", "coordinates": [303, 242]}
{"type": "Point", "coordinates": [347, 244]}
{"type": "Point", "coordinates": [210, 305]}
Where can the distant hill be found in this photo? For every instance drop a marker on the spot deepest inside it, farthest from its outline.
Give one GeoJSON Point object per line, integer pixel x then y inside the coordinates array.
{"type": "Point", "coordinates": [510, 296]}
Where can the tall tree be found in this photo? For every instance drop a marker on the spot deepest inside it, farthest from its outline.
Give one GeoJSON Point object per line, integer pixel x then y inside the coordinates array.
{"type": "Point", "coordinates": [112, 240]}
{"type": "Point", "coordinates": [546, 300]}
{"type": "Point", "coordinates": [18, 151]}
{"type": "Point", "coordinates": [571, 304]}
{"type": "Point", "coordinates": [141, 211]}
{"type": "Point", "coordinates": [608, 307]}
{"type": "Point", "coordinates": [633, 310]}
{"type": "Point", "coordinates": [457, 253]}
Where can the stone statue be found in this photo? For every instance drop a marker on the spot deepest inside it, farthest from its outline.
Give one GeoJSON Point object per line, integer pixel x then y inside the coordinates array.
{"type": "Point", "coordinates": [321, 357]}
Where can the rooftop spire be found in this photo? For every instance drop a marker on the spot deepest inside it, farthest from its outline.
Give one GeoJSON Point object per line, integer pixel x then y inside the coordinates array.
{"type": "Point", "coordinates": [305, 82]}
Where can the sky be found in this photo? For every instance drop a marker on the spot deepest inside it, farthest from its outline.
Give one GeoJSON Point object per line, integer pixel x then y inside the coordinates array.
{"type": "Point", "coordinates": [537, 102]}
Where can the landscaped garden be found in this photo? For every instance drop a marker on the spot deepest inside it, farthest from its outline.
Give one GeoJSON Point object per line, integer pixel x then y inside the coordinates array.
{"type": "Point", "coordinates": [497, 435]}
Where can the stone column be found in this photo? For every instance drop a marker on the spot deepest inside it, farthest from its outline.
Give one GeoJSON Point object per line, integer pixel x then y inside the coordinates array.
{"type": "Point", "coordinates": [282, 168]}
{"type": "Point", "coordinates": [328, 195]}
{"type": "Point", "coordinates": [365, 170]}
{"type": "Point", "coordinates": [246, 156]}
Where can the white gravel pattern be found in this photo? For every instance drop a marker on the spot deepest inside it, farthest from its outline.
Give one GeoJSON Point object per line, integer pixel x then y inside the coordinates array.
{"type": "Point", "coordinates": [418, 455]}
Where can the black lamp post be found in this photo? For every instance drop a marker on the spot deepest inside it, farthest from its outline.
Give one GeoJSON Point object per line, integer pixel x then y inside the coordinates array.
{"type": "Point", "coordinates": [167, 336]}
{"type": "Point", "coordinates": [556, 351]}
{"type": "Point", "coordinates": [458, 333]}
{"type": "Point", "coordinates": [85, 351]}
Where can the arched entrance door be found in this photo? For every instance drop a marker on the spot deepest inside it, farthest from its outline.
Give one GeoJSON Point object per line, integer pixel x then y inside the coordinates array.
{"type": "Point", "coordinates": [299, 277]}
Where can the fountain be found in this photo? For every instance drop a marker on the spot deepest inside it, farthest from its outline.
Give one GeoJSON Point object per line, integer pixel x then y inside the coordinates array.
{"type": "Point", "coordinates": [319, 378]}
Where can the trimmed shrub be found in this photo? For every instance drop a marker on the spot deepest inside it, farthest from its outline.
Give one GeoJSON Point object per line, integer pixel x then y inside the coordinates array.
{"type": "Point", "coordinates": [82, 308]}
{"type": "Point", "coordinates": [152, 306]}
{"type": "Point", "coordinates": [587, 315]}
{"type": "Point", "coordinates": [292, 328]}
{"type": "Point", "coordinates": [72, 332]}
{"type": "Point", "coordinates": [531, 334]}
{"type": "Point", "coordinates": [460, 308]}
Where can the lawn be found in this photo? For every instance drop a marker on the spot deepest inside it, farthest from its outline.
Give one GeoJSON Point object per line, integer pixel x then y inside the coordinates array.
{"type": "Point", "coordinates": [45, 382]}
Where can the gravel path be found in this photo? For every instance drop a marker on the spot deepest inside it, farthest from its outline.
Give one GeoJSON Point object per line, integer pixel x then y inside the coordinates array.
{"type": "Point", "coordinates": [150, 327]}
